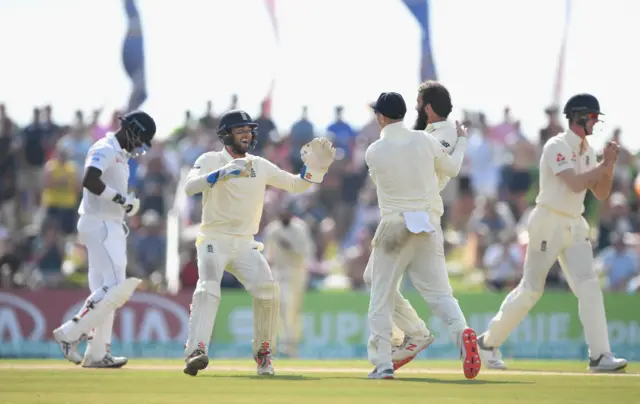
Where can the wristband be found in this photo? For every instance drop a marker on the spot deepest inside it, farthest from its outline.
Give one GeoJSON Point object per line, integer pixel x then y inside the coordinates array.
{"type": "Point", "coordinates": [110, 194]}
{"type": "Point", "coordinates": [310, 175]}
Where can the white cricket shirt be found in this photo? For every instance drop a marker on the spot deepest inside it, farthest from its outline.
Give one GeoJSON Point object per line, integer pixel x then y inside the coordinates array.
{"type": "Point", "coordinates": [560, 153]}
{"type": "Point", "coordinates": [442, 130]}
{"type": "Point", "coordinates": [107, 156]}
{"type": "Point", "coordinates": [403, 164]}
{"type": "Point", "coordinates": [234, 207]}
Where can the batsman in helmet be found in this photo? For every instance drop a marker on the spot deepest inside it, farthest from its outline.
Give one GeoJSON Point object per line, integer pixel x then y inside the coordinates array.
{"type": "Point", "coordinates": [558, 231]}
{"type": "Point", "coordinates": [233, 183]}
{"type": "Point", "coordinates": [105, 202]}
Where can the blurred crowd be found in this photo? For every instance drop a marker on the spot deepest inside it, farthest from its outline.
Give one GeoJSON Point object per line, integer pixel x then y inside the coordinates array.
{"type": "Point", "coordinates": [486, 207]}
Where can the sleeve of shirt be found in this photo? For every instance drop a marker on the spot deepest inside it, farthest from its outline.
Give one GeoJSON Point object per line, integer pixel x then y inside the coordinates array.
{"type": "Point", "coordinates": [447, 164]}
{"type": "Point", "coordinates": [279, 178]}
{"type": "Point", "coordinates": [197, 177]}
{"type": "Point", "coordinates": [101, 157]}
{"type": "Point", "coordinates": [557, 156]}
{"type": "Point", "coordinates": [369, 159]}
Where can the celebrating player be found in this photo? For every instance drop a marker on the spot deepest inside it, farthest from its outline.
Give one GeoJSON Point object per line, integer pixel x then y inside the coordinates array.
{"type": "Point", "coordinates": [557, 231]}
{"type": "Point", "coordinates": [101, 229]}
{"type": "Point", "coordinates": [403, 164]}
{"type": "Point", "coordinates": [410, 334]}
{"type": "Point", "coordinates": [232, 183]}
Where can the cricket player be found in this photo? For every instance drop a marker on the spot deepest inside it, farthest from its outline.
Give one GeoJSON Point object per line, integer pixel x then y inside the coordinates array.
{"type": "Point", "coordinates": [557, 230]}
{"type": "Point", "coordinates": [403, 165]}
{"type": "Point", "coordinates": [101, 229]}
{"type": "Point", "coordinates": [232, 183]}
{"type": "Point", "coordinates": [289, 248]}
{"type": "Point", "coordinates": [410, 334]}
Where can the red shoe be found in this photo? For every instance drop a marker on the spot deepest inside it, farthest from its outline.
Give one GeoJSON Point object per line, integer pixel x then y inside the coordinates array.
{"type": "Point", "coordinates": [471, 363]}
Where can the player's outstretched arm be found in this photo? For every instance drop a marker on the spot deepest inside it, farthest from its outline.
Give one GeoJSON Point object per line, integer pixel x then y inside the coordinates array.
{"type": "Point", "coordinates": [98, 161]}
{"type": "Point", "coordinates": [317, 156]}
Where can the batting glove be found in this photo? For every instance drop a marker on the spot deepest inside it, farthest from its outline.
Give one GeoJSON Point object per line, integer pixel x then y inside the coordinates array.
{"type": "Point", "coordinates": [317, 156]}
{"type": "Point", "coordinates": [131, 204]}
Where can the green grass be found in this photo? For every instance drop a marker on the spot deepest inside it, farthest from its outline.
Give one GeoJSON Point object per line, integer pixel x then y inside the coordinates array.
{"type": "Point", "coordinates": [332, 382]}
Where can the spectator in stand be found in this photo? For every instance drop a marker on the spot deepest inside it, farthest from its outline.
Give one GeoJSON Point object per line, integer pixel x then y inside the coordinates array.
{"type": "Point", "coordinates": [61, 191]}
{"type": "Point", "coordinates": [553, 126]}
{"type": "Point", "coordinates": [267, 130]}
{"type": "Point", "coordinates": [76, 144]}
{"type": "Point", "coordinates": [49, 256]}
{"type": "Point", "coordinates": [9, 148]}
{"type": "Point", "coordinates": [35, 155]}
{"type": "Point", "coordinates": [209, 121]}
{"type": "Point", "coordinates": [151, 244]}
{"type": "Point", "coordinates": [302, 132]}
{"type": "Point", "coordinates": [619, 263]}
{"type": "Point", "coordinates": [343, 134]}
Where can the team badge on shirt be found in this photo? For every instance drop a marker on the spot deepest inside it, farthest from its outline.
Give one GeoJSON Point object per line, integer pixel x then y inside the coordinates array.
{"type": "Point", "coordinates": [561, 159]}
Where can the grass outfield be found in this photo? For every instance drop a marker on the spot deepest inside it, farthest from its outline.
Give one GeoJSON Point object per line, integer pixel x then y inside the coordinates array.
{"type": "Point", "coordinates": [302, 381]}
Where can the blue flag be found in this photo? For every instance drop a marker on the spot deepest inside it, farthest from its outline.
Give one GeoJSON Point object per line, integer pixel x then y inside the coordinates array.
{"type": "Point", "coordinates": [420, 10]}
{"type": "Point", "coordinates": [133, 56]}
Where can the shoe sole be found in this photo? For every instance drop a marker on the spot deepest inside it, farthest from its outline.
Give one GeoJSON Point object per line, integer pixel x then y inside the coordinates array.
{"type": "Point", "coordinates": [400, 363]}
{"type": "Point", "coordinates": [618, 369]}
{"type": "Point", "coordinates": [195, 365]}
{"type": "Point", "coordinates": [383, 378]}
{"type": "Point", "coordinates": [471, 363]}
{"type": "Point", "coordinates": [113, 366]}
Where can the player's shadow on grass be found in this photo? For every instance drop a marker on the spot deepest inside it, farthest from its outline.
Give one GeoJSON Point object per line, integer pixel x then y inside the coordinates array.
{"type": "Point", "coordinates": [447, 381]}
{"type": "Point", "coordinates": [295, 378]}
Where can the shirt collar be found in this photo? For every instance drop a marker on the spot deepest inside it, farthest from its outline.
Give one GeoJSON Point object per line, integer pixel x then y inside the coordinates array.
{"type": "Point", "coordinates": [114, 142]}
{"type": "Point", "coordinates": [432, 127]}
{"type": "Point", "coordinates": [228, 156]}
{"type": "Point", "coordinates": [575, 141]}
{"type": "Point", "coordinates": [392, 128]}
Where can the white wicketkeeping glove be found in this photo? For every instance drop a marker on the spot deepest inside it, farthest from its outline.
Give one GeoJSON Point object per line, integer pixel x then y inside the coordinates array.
{"type": "Point", "coordinates": [131, 204]}
{"type": "Point", "coordinates": [235, 169]}
{"type": "Point", "coordinates": [317, 156]}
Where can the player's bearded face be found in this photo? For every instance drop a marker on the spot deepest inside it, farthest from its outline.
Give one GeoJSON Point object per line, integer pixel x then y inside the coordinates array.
{"type": "Point", "coordinates": [241, 139]}
{"type": "Point", "coordinates": [421, 119]}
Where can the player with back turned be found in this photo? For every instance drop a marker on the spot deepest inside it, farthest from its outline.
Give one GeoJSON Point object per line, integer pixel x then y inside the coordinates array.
{"type": "Point", "coordinates": [232, 183]}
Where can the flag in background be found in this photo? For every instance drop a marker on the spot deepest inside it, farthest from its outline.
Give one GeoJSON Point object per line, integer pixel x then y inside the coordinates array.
{"type": "Point", "coordinates": [271, 8]}
{"type": "Point", "coordinates": [133, 56]}
{"type": "Point", "coordinates": [557, 89]}
{"type": "Point", "coordinates": [420, 10]}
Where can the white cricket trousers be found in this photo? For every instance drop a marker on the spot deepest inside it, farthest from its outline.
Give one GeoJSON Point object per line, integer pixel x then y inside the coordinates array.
{"type": "Point", "coordinates": [554, 235]}
{"type": "Point", "coordinates": [422, 257]}
{"type": "Point", "coordinates": [241, 257]}
{"type": "Point", "coordinates": [293, 284]}
{"type": "Point", "coordinates": [106, 243]}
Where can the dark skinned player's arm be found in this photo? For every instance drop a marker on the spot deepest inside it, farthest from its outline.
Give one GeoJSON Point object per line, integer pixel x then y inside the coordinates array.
{"type": "Point", "coordinates": [92, 181]}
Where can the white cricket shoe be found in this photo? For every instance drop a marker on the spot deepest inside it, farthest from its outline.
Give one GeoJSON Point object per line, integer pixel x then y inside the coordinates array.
{"type": "Point", "coordinates": [382, 373]}
{"type": "Point", "coordinates": [491, 357]}
{"type": "Point", "coordinates": [607, 363]}
{"type": "Point", "coordinates": [107, 362]}
{"type": "Point", "coordinates": [263, 360]}
{"type": "Point", "coordinates": [409, 349]}
{"type": "Point", "coordinates": [69, 348]}
{"type": "Point", "coordinates": [198, 360]}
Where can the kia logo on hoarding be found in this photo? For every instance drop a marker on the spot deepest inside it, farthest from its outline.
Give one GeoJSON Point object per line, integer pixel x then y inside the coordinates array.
{"type": "Point", "coordinates": [17, 316]}
{"type": "Point", "coordinates": [147, 317]}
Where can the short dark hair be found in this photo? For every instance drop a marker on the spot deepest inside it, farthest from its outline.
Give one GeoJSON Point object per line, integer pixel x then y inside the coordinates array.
{"type": "Point", "coordinates": [434, 93]}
